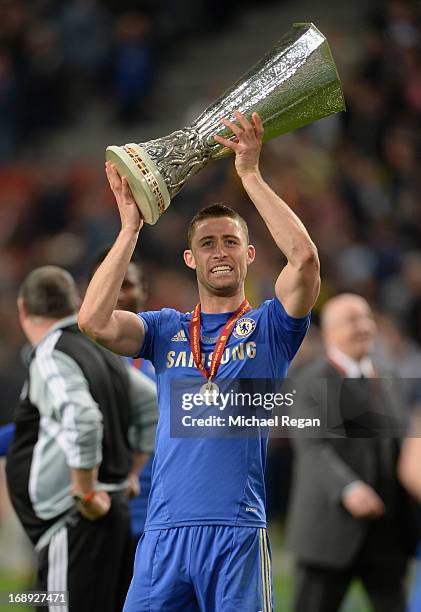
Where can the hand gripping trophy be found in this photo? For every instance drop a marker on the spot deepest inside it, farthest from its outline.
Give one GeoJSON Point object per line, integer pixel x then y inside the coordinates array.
{"type": "Point", "coordinates": [295, 84]}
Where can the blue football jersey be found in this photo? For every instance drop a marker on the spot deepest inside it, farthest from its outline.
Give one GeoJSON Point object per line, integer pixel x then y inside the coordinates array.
{"type": "Point", "coordinates": [202, 480]}
{"type": "Point", "coordinates": [138, 505]}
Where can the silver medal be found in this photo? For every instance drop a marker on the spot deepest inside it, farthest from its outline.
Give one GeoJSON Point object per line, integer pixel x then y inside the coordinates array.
{"type": "Point", "coordinates": [210, 392]}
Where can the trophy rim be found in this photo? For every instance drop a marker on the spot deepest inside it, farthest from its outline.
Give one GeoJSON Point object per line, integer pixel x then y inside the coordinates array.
{"type": "Point", "coordinates": [145, 181]}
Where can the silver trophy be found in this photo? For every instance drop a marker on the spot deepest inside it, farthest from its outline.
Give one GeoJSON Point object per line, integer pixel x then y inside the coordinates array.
{"type": "Point", "coordinates": [295, 84]}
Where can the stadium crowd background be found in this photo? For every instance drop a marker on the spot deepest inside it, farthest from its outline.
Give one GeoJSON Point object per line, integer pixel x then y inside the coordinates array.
{"type": "Point", "coordinates": [354, 179]}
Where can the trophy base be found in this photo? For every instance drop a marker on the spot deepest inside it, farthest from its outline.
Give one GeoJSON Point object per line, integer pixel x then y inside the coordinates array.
{"type": "Point", "coordinates": [145, 181]}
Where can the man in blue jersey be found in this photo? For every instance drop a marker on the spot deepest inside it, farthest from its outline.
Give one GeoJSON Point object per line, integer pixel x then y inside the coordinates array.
{"type": "Point", "coordinates": [205, 545]}
{"type": "Point", "coordinates": [132, 297]}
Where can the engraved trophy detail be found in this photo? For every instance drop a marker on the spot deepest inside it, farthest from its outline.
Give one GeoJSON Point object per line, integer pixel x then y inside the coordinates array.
{"type": "Point", "coordinates": [295, 84]}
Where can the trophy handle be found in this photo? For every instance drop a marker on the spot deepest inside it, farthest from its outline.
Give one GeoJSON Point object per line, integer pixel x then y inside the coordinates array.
{"type": "Point", "coordinates": [146, 183]}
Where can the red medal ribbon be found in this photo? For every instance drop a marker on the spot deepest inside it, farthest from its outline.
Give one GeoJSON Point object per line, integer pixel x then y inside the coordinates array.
{"type": "Point", "coordinates": [220, 343]}
{"type": "Point", "coordinates": [137, 362]}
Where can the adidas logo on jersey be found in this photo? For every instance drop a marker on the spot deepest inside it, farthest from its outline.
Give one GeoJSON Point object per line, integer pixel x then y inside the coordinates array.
{"type": "Point", "coordinates": [179, 337]}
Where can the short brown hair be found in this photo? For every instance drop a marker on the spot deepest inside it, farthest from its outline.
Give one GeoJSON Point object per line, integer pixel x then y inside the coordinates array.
{"type": "Point", "coordinates": [102, 254]}
{"type": "Point", "coordinates": [50, 291]}
{"type": "Point", "coordinates": [215, 210]}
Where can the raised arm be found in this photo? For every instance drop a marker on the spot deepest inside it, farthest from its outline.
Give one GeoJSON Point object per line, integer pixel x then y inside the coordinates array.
{"type": "Point", "coordinates": [298, 284]}
{"type": "Point", "coordinates": [120, 331]}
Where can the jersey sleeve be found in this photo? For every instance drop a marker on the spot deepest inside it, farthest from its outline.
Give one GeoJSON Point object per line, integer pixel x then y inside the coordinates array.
{"type": "Point", "coordinates": [61, 392]}
{"type": "Point", "coordinates": [151, 321]}
{"type": "Point", "coordinates": [288, 332]}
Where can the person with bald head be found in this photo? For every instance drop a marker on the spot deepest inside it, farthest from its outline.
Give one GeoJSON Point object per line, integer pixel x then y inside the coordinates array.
{"type": "Point", "coordinates": [348, 330]}
{"type": "Point", "coordinates": [349, 518]}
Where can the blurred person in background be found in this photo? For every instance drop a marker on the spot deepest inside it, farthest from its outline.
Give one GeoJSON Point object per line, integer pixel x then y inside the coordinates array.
{"type": "Point", "coordinates": [133, 296]}
{"type": "Point", "coordinates": [133, 67]}
{"type": "Point", "coordinates": [348, 515]}
{"type": "Point", "coordinates": [82, 413]}
{"type": "Point", "coordinates": [84, 28]}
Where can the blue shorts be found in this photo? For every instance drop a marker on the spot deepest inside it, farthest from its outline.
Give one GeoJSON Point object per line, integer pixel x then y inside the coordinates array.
{"type": "Point", "coordinates": [206, 568]}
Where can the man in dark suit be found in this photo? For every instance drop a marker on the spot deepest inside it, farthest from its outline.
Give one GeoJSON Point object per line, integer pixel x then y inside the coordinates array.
{"type": "Point", "coordinates": [347, 513]}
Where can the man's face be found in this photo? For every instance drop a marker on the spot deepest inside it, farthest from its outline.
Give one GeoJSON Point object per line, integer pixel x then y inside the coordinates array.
{"type": "Point", "coordinates": [353, 329]}
{"type": "Point", "coordinates": [133, 292]}
{"type": "Point", "coordinates": [220, 255]}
